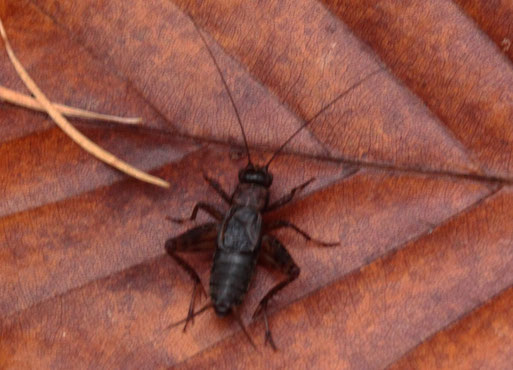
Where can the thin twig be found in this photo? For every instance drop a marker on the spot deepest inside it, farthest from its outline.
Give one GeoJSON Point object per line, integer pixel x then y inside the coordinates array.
{"type": "Point", "coordinates": [71, 131]}
{"type": "Point", "coordinates": [29, 102]}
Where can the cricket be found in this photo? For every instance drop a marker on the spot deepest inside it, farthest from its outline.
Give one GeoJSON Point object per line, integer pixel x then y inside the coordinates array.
{"type": "Point", "coordinates": [238, 238]}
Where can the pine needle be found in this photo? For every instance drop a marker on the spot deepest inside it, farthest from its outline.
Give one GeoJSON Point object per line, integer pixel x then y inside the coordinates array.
{"type": "Point", "coordinates": [69, 129]}
{"type": "Point", "coordinates": [29, 102]}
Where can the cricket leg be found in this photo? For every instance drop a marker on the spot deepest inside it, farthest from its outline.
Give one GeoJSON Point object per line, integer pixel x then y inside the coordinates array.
{"type": "Point", "coordinates": [218, 188]}
{"type": "Point", "coordinates": [274, 256]}
{"type": "Point", "coordinates": [208, 208]}
{"type": "Point", "coordinates": [280, 224]}
{"type": "Point", "coordinates": [288, 198]}
{"type": "Point", "coordinates": [198, 239]}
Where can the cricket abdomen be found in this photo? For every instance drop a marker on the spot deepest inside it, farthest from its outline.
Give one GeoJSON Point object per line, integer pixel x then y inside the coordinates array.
{"type": "Point", "coordinates": [229, 279]}
{"type": "Point", "coordinates": [238, 246]}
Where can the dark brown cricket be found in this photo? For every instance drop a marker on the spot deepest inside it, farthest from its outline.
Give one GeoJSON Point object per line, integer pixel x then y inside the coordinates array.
{"type": "Point", "coordinates": [239, 238]}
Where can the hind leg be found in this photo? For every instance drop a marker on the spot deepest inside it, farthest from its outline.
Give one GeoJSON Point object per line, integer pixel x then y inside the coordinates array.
{"type": "Point", "coordinates": [198, 239]}
{"type": "Point", "coordinates": [274, 256]}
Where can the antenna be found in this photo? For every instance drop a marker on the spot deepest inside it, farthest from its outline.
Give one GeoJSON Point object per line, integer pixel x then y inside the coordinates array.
{"type": "Point", "coordinates": [226, 87]}
{"type": "Point", "coordinates": [344, 93]}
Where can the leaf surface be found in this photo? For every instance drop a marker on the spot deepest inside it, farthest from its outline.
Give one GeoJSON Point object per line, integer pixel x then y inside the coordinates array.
{"type": "Point", "coordinates": [413, 171]}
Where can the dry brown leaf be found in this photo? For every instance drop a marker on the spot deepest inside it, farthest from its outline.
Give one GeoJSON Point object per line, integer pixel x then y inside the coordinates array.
{"type": "Point", "coordinates": [413, 171]}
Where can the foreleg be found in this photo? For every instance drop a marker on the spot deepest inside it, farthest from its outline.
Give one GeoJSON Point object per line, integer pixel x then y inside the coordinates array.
{"type": "Point", "coordinates": [288, 198]}
{"type": "Point", "coordinates": [219, 190]}
{"type": "Point", "coordinates": [208, 208]}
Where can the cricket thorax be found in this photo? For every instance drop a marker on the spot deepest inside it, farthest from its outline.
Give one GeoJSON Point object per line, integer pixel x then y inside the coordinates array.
{"type": "Point", "coordinates": [251, 195]}
{"type": "Point", "coordinates": [240, 230]}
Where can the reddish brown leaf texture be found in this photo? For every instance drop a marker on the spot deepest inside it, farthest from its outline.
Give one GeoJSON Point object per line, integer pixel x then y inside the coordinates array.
{"type": "Point", "coordinates": [413, 169]}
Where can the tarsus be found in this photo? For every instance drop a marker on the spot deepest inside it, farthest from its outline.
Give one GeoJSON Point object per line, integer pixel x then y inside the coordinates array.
{"type": "Point", "coordinates": [200, 311]}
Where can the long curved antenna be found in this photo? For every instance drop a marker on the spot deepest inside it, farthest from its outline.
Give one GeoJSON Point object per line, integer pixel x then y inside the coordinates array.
{"type": "Point", "coordinates": [344, 93]}
{"type": "Point", "coordinates": [226, 87]}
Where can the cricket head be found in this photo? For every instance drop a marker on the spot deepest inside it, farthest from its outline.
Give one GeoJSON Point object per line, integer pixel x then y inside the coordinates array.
{"type": "Point", "coordinates": [252, 174]}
